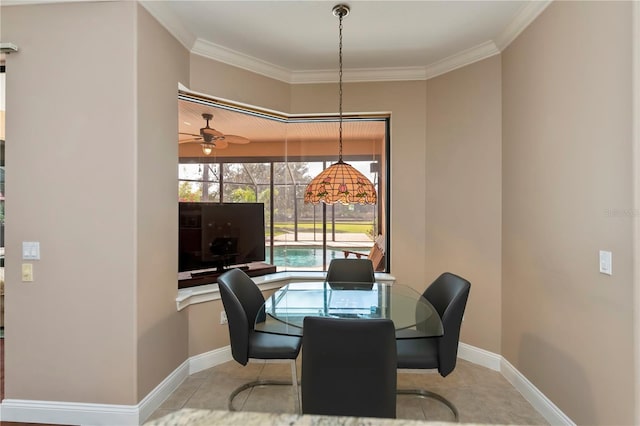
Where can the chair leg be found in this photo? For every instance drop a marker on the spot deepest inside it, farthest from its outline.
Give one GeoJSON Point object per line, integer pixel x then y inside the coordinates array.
{"type": "Point", "coordinates": [256, 383]}
{"type": "Point", "coordinates": [297, 403]}
{"type": "Point", "coordinates": [428, 394]}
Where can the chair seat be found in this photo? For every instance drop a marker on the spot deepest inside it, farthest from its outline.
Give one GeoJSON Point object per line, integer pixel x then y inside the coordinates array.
{"type": "Point", "coordinates": [418, 353]}
{"type": "Point", "coordinates": [273, 346]}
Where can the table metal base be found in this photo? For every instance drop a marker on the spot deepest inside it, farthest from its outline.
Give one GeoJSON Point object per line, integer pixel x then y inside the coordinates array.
{"type": "Point", "coordinates": [428, 394]}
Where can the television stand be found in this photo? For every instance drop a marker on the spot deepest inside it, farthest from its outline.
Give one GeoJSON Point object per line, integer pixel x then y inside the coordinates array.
{"type": "Point", "coordinates": [210, 276]}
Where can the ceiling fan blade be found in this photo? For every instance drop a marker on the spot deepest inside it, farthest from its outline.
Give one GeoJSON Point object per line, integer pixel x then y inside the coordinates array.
{"type": "Point", "coordinates": [190, 140]}
{"type": "Point", "coordinates": [221, 144]}
{"type": "Point", "coordinates": [241, 140]}
{"type": "Point", "coordinates": [210, 131]}
{"type": "Point", "coordinates": [188, 134]}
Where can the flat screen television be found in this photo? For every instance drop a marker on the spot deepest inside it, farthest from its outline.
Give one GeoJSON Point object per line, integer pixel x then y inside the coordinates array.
{"type": "Point", "coordinates": [220, 235]}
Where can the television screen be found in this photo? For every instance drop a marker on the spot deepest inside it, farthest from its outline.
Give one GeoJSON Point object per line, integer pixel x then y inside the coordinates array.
{"type": "Point", "coordinates": [220, 235]}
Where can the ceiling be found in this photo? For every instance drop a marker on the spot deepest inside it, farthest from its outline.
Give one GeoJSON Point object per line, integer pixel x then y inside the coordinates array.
{"type": "Point", "coordinates": [297, 41]}
{"type": "Point", "coordinates": [259, 129]}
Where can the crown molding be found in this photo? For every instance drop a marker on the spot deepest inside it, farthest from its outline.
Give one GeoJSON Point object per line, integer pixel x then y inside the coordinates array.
{"type": "Point", "coordinates": [231, 57]}
{"type": "Point", "coordinates": [249, 63]}
{"type": "Point", "coordinates": [167, 19]}
{"type": "Point", "coordinates": [459, 60]}
{"type": "Point", "coordinates": [359, 75]}
{"type": "Point", "coordinates": [216, 52]}
{"type": "Point", "coordinates": [525, 16]}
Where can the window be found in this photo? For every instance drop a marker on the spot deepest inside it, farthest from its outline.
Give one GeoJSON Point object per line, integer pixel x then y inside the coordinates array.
{"type": "Point", "coordinates": [283, 154]}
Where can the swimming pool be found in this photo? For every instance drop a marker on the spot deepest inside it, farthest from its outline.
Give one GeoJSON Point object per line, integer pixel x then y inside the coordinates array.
{"type": "Point", "coordinates": [302, 256]}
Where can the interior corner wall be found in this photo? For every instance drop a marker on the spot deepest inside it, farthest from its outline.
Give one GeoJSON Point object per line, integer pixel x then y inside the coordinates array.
{"type": "Point", "coordinates": [464, 189]}
{"type": "Point", "coordinates": [237, 85]}
{"type": "Point", "coordinates": [70, 185]}
{"type": "Point", "coordinates": [406, 102]}
{"type": "Point", "coordinates": [162, 332]}
{"type": "Point", "coordinates": [567, 193]}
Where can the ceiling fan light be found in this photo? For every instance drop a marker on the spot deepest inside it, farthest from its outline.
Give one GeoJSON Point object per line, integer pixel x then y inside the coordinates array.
{"type": "Point", "coordinates": [207, 148]}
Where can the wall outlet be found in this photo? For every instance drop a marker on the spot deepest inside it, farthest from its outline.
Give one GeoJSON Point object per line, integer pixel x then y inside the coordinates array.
{"type": "Point", "coordinates": [223, 317]}
{"type": "Point", "coordinates": [606, 264]}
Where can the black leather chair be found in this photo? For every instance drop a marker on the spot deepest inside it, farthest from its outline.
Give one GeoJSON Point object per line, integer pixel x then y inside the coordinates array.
{"type": "Point", "coordinates": [448, 294]}
{"type": "Point", "coordinates": [243, 300]}
{"type": "Point", "coordinates": [351, 270]}
{"type": "Point", "coordinates": [349, 367]}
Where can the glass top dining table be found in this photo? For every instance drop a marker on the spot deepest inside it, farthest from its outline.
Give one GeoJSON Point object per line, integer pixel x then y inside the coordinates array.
{"type": "Point", "coordinates": [284, 312]}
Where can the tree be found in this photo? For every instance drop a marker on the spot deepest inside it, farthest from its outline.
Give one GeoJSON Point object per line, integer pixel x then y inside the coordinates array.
{"type": "Point", "coordinates": [186, 192]}
{"type": "Point", "coordinates": [243, 195]}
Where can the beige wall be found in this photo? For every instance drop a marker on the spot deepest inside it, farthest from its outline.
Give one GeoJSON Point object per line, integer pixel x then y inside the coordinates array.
{"type": "Point", "coordinates": [566, 172]}
{"type": "Point", "coordinates": [162, 332]}
{"type": "Point", "coordinates": [71, 185]}
{"type": "Point", "coordinates": [463, 191]}
{"type": "Point", "coordinates": [105, 288]}
{"type": "Point", "coordinates": [205, 331]}
{"type": "Point", "coordinates": [406, 102]}
{"type": "Point", "coordinates": [106, 324]}
{"type": "Point", "coordinates": [237, 85]}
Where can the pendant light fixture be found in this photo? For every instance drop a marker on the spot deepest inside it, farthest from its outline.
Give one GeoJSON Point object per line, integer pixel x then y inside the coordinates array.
{"type": "Point", "coordinates": [340, 182]}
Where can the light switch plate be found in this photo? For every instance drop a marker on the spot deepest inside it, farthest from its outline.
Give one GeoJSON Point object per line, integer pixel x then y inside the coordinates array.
{"type": "Point", "coordinates": [30, 250]}
{"type": "Point", "coordinates": [606, 266]}
{"type": "Point", "coordinates": [27, 272]}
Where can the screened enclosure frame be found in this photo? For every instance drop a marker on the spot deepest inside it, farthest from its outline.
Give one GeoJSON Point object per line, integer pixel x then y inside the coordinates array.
{"type": "Point", "coordinates": [217, 165]}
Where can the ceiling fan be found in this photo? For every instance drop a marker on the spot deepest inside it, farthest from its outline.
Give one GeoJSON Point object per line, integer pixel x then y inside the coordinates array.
{"type": "Point", "coordinates": [210, 138]}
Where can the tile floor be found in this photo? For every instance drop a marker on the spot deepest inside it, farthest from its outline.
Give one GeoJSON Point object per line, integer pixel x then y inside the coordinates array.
{"type": "Point", "coordinates": [481, 395]}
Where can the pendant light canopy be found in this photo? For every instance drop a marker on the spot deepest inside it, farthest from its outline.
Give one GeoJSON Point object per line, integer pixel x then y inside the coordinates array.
{"type": "Point", "coordinates": [340, 182]}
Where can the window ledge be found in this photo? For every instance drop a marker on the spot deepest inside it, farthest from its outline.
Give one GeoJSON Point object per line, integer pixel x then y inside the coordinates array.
{"type": "Point", "coordinates": [209, 292]}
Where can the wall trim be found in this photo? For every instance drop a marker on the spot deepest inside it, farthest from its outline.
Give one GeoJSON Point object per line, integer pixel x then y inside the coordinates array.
{"type": "Point", "coordinates": [496, 362]}
{"type": "Point", "coordinates": [104, 414]}
{"type": "Point", "coordinates": [209, 359]}
{"type": "Point", "coordinates": [240, 60]}
{"type": "Point", "coordinates": [526, 16]}
{"type": "Point", "coordinates": [479, 356]}
{"type": "Point", "coordinates": [219, 53]}
{"type": "Point", "coordinates": [66, 413]}
{"type": "Point", "coordinates": [208, 292]}
{"type": "Point", "coordinates": [537, 399]}
{"type": "Point", "coordinates": [165, 17]}
{"type": "Point", "coordinates": [462, 59]}
{"type": "Point", "coordinates": [32, 411]}
{"type": "Point", "coordinates": [160, 393]}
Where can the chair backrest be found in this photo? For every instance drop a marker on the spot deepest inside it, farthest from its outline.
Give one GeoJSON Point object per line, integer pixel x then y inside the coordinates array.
{"type": "Point", "coordinates": [448, 294]}
{"type": "Point", "coordinates": [242, 301]}
{"type": "Point", "coordinates": [351, 270]}
{"type": "Point", "coordinates": [349, 367]}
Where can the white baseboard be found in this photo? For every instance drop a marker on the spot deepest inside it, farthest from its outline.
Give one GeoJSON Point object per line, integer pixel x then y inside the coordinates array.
{"type": "Point", "coordinates": [496, 362]}
{"type": "Point", "coordinates": [160, 393]}
{"type": "Point", "coordinates": [31, 411]}
{"type": "Point", "coordinates": [537, 399]}
{"type": "Point", "coordinates": [209, 359]}
{"type": "Point", "coordinates": [104, 414]}
{"type": "Point", "coordinates": [479, 356]}
{"type": "Point", "coordinates": [71, 413]}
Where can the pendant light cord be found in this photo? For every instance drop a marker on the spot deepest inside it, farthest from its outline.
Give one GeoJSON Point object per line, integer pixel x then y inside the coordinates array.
{"type": "Point", "coordinates": [340, 16]}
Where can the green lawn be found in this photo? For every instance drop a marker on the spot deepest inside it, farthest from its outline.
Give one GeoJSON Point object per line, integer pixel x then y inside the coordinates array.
{"type": "Point", "coordinates": [341, 227]}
